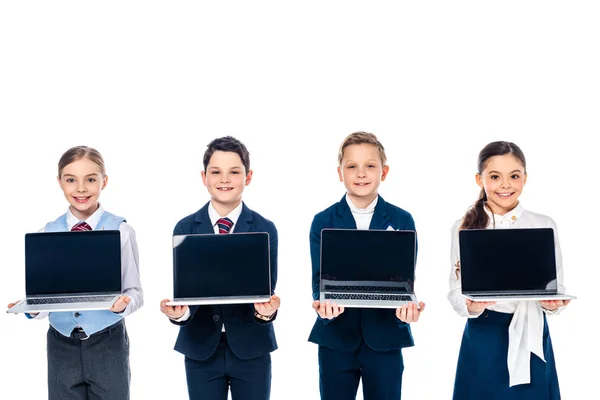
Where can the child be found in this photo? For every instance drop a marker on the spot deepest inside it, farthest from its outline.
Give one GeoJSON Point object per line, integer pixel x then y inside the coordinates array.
{"type": "Point", "coordinates": [88, 351]}
{"type": "Point", "coordinates": [357, 343]}
{"type": "Point", "coordinates": [227, 346]}
{"type": "Point", "coordinates": [506, 352]}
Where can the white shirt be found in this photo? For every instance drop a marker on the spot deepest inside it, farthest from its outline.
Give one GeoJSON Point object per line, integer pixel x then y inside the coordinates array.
{"type": "Point", "coordinates": [214, 216]}
{"type": "Point", "coordinates": [362, 216]}
{"type": "Point", "coordinates": [130, 270]}
{"type": "Point", "coordinates": [526, 328]}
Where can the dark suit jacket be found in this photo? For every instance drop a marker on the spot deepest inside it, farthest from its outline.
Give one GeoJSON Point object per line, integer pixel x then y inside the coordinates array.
{"type": "Point", "coordinates": [247, 336]}
{"type": "Point", "coordinates": [379, 328]}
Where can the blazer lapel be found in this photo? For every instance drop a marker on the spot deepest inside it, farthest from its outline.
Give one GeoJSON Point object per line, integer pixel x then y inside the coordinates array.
{"type": "Point", "coordinates": [202, 221]}
{"type": "Point", "coordinates": [345, 220]}
{"type": "Point", "coordinates": [380, 216]}
{"type": "Point", "coordinates": [244, 222]}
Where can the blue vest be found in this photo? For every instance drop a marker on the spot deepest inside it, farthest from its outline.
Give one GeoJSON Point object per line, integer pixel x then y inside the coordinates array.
{"type": "Point", "coordinates": [94, 320]}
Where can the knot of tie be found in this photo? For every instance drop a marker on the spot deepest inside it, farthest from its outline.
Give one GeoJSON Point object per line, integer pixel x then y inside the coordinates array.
{"type": "Point", "coordinates": [224, 225]}
{"type": "Point", "coordinates": [81, 226]}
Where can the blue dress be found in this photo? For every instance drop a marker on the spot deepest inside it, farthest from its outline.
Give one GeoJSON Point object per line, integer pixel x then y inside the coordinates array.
{"type": "Point", "coordinates": [482, 371]}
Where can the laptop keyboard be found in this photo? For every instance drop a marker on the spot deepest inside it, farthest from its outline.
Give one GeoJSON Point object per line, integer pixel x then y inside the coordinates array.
{"type": "Point", "coordinates": [353, 296]}
{"type": "Point", "coordinates": [63, 300]}
{"type": "Point", "coordinates": [363, 289]}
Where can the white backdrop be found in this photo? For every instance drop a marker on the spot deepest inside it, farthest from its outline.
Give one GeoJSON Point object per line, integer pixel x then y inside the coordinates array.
{"type": "Point", "coordinates": [150, 83]}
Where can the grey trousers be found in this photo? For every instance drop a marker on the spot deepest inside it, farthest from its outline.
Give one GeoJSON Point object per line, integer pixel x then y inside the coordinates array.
{"type": "Point", "coordinates": [96, 368]}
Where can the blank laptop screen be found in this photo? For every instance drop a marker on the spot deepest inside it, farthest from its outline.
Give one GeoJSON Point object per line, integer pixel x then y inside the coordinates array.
{"type": "Point", "coordinates": [368, 255]}
{"type": "Point", "coordinates": [231, 265]}
{"type": "Point", "coordinates": [72, 262]}
{"type": "Point", "coordinates": [507, 260]}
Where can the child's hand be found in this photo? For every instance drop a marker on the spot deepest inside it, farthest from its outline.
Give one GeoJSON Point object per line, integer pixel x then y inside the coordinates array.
{"type": "Point", "coordinates": [173, 312]}
{"type": "Point", "coordinates": [267, 309]}
{"type": "Point", "coordinates": [11, 305]}
{"type": "Point", "coordinates": [478, 306]}
{"type": "Point", "coordinates": [121, 304]}
{"type": "Point", "coordinates": [553, 305]}
{"type": "Point", "coordinates": [409, 312]}
{"type": "Point", "coordinates": [326, 310]}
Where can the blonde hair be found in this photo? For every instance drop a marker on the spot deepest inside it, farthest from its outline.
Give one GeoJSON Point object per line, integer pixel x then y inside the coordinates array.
{"type": "Point", "coordinates": [362, 138]}
{"type": "Point", "coordinates": [77, 153]}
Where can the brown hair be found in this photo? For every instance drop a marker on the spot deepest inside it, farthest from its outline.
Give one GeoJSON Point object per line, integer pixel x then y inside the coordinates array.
{"type": "Point", "coordinates": [362, 138]}
{"type": "Point", "coordinates": [228, 143]}
{"type": "Point", "coordinates": [476, 217]}
{"type": "Point", "coordinates": [77, 153]}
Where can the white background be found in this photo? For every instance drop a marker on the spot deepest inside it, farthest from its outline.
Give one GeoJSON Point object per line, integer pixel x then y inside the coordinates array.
{"type": "Point", "coordinates": [150, 83]}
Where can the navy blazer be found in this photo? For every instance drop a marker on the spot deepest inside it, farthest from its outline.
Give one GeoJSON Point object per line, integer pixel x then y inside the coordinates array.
{"type": "Point", "coordinates": [379, 328]}
{"type": "Point", "coordinates": [247, 336]}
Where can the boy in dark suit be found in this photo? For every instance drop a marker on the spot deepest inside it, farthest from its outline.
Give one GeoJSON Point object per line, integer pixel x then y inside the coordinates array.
{"type": "Point", "coordinates": [227, 346]}
{"type": "Point", "coordinates": [357, 343]}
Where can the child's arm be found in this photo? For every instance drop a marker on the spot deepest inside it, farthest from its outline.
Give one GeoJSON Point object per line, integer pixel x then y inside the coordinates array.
{"type": "Point", "coordinates": [132, 298]}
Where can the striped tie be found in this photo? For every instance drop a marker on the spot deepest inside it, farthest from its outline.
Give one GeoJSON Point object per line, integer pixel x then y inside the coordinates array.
{"type": "Point", "coordinates": [224, 225]}
{"type": "Point", "coordinates": [81, 226]}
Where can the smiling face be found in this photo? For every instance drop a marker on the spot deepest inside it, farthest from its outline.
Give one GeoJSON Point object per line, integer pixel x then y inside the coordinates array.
{"type": "Point", "coordinates": [502, 180]}
{"type": "Point", "coordinates": [81, 182]}
{"type": "Point", "coordinates": [225, 178]}
{"type": "Point", "coordinates": [361, 171]}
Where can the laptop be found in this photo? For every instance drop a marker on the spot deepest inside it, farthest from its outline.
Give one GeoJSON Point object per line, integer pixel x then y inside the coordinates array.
{"type": "Point", "coordinates": [368, 268]}
{"type": "Point", "coordinates": [71, 271]}
{"type": "Point", "coordinates": [221, 269]}
{"type": "Point", "coordinates": [509, 265]}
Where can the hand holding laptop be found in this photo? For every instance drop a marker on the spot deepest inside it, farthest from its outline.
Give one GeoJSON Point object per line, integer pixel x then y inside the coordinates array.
{"type": "Point", "coordinates": [121, 304]}
{"type": "Point", "coordinates": [11, 305]}
{"type": "Point", "coordinates": [327, 310]}
{"type": "Point", "coordinates": [173, 312]}
{"type": "Point", "coordinates": [410, 312]}
{"type": "Point", "coordinates": [553, 305]}
{"type": "Point", "coordinates": [476, 307]}
{"type": "Point", "coordinates": [268, 308]}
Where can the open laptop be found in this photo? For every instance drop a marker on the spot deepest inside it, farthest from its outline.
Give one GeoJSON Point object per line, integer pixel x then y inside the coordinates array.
{"type": "Point", "coordinates": [368, 268]}
{"type": "Point", "coordinates": [221, 269]}
{"type": "Point", "coordinates": [71, 271]}
{"type": "Point", "coordinates": [509, 265]}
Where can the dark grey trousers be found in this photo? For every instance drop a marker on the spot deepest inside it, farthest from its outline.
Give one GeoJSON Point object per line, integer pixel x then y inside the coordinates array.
{"type": "Point", "coordinates": [96, 368]}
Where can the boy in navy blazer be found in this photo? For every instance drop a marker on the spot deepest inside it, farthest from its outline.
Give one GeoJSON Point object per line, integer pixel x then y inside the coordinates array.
{"type": "Point", "coordinates": [227, 346]}
{"type": "Point", "coordinates": [355, 343]}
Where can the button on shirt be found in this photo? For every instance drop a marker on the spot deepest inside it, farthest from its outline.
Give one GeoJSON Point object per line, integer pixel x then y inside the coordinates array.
{"type": "Point", "coordinates": [526, 328]}
{"type": "Point", "coordinates": [214, 216]}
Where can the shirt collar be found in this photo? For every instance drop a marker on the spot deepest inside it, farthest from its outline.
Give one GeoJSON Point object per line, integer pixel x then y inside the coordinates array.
{"type": "Point", "coordinates": [510, 217]}
{"type": "Point", "coordinates": [355, 210]}
{"type": "Point", "coordinates": [92, 220]}
{"type": "Point", "coordinates": [233, 215]}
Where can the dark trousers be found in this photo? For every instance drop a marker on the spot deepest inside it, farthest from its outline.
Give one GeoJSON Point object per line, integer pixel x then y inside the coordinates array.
{"type": "Point", "coordinates": [210, 379]}
{"type": "Point", "coordinates": [482, 371]}
{"type": "Point", "coordinates": [340, 373]}
{"type": "Point", "coordinates": [89, 369]}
